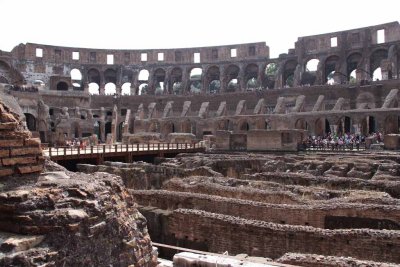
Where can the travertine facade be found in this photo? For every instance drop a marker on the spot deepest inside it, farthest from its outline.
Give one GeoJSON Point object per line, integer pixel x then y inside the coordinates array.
{"type": "Point", "coordinates": [202, 90]}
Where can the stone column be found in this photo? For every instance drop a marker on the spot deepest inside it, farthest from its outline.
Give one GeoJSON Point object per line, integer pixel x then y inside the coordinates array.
{"type": "Point", "coordinates": [102, 88]}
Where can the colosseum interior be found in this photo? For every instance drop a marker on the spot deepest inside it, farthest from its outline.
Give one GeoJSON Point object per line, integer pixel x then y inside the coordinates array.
{"type": "Point", "coordinates": [254, 196]}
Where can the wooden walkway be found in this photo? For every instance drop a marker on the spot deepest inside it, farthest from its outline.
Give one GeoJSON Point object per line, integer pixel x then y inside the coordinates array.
{"type": "Point", "coordinates": [120, 150]}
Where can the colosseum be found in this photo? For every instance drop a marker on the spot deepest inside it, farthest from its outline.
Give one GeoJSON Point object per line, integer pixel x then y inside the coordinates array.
{"type": "Point", "coordinates": [260, 190]}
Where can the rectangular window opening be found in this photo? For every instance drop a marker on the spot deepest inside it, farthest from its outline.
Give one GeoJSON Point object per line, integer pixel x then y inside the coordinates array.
{"type": "Point", "coordinates": [214, 54]}
{"type": "Point", "coordinates": [380, 36]}
{"type": "Point", "coordinates": [334, 42]}
{"type": "Point", "coordinates": [233, 52]}
{"type": "Point", "coordinates": [143, 56]}
{"type": "Point", "coordinates": [39, 52]}
{"type": "Point", "coordinates": [75, 55]}
{"type": "Point", "coordinates": [160, 56]}
{"type": "Point", "coordinates": [57, 52]}
{"type": "Point", "coordinates": [110, 59]}
{"type": "Point", "coordinates": [92, 56]}
{"type": "Point", "coordinates": [196, 57]}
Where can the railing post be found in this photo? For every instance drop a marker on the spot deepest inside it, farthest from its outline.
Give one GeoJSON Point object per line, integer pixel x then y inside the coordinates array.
{"type": "Point", "coordinates": [158, 146]}
{"type": "Point", "coordinates": [126, 147]}
{"type": "Point", "coordinates": [91, 149]}
{"type": "Point", "coordinates": [137, 146]}
{"type": "Point", "coordinates": [65, 151]}
{"type": "Point", "coordinates": [79, 150]}
{"type": "Point", "coordinates": [185, 145]}
{"type": "Point", "coordinates": [49, 151]}
{"type": "Point", "coordinates": [115, 148]}
{"type": "Point", "coordinates": [104, 148]}
{"type": "Point", "coordinates": [168, 146]}
{"type": "Point", "coordinates": [148, 146]}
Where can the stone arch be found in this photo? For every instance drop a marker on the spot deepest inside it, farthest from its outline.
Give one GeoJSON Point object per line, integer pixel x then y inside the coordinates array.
{"type": "Point", "coordinates": [168, 127]}
{"type": "Point", "coordinates": [251, 76]}
{"type": "Point", "coordinates": [231, 76]}
{"type": "Point", "coordinates": [243, 126]}
{"type": "Point", "coordinates": [93, 76]}
{"type": "Point", "coordinates": [331, 64]}
{"type": "Point", "coordinates": [301, 124]}
{"type": "Point", "coordinates": [110, 76]}
{"type": "Point", "coordinates": [213, 80]}
{"type": "Point", "coordinates": [322, 127]}
{"type": "Point", "coordinates": [30, 121]}
{"type": "Point", "coordinates": [270, 72]}
{"type": "Point", "coordinates": [159, 76]}
{"type": "Point", "coordinates": [62, 86]}
{"type": "Point", "coordinates": [126, 88]}
{"type": "Point", "coordinates": [9, 75]}
{"type": "Point", "coordinates": [110, 88]}
{"type": "Point", "coordinates": [344, 125]}
{"type": "Point", "coordinates": [195, 76]}
{"type": "Point", "coordinates": [176, 81]}
{"type": "Point", "coordinates": [310, 74]}
{"type": "Point", "coordinates": [352, 62]}
{"type": "Point", "coordinates": [225, 125]}
{"type": "Point", "coordinates": [376, 58]}
{"type": "Point", "coordinates": [368, 125]}
{"type": "Point", "coordinates": [288, 72]}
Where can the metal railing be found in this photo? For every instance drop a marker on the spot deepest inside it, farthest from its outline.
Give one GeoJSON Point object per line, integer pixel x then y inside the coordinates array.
{"type": "Point", "coordinates": [336, 148]}
{"type": "Point", "coordinates": [114, 148]}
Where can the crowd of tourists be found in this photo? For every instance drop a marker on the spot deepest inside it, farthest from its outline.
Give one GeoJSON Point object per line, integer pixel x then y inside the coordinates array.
{"type": "Point", "coordinates": [341, 142]}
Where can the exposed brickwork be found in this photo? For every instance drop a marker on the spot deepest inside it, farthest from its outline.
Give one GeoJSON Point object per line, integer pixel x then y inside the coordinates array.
{"type": "Point", "coordinates": [20, 154]}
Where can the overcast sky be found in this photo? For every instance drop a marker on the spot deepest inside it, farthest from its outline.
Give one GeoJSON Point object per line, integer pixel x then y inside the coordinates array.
{"type": "Point", "coordinates": [129, 24]}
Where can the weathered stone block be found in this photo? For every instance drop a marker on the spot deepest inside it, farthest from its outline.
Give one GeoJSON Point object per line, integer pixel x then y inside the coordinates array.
{"type": "Point", "coordinates": [29, 169]}
{"type": "Point", "coordinates": [25, 151]}
{"type": "Point", "coordinates": [4, 153]}
{"type": "Point", "coordinates": [35, 142]}
{"type": "Point", "coordinates": [6, 172]}
{"type": "Point", "coordinates": [14, 161]}
{"type": "Point", "coordinates": [11, 143]}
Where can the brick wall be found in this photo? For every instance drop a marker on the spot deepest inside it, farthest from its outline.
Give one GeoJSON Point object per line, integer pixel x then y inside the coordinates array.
{"type": "Point", "coordinates": [19, 153]}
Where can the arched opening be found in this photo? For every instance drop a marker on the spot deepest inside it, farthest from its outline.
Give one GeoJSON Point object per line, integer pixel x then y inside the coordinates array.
{"type": "Point", "coordinates": [251, 75]}
{"type": "Point", "coordinates": [269, 74]}
{"type": "Point", "coordinates": [368, 125]}
{"type": "Point", "coordinates": [159, 78]}
{"type": "Point", "coordinates": [4, 80]}
{"type": "Point", "coordinates": [213, 80]}
{"type": "Point", "coordinates": [107, 128]}
{"type": "Point", "coordinates": [353, 77]}
{"type": "Point", "coordinates": [94, 89]}
{"type": "Point", "coordinates": [177, 88]}
{"type": "Point", "coordinates": [301, 124]}
{"type": "Point", "coordinates": [225, 125]}
{"type": "Point", "coordinates": [244, 126]}
{"type": "Point", "coordinates": [375, 63]}
{"type": "Point", "coordinates": [30, 121]}
{"type": "Point", "coordinates": [195, 80]}
{"type": "Point", "coordinates": [110, 89]}
{"type": "Point", "coordinates": [186, 127]}
{"type": "Point", "coordinates": [5, 73]}
{"type": "Point", "coordinates": [231, 76]}
{"type": "Point", "coordinates": [176, 81]}
{"type": "Point", "coordinates": [143, 75]}
{"type": "Point", "coordinates": [97, 129]}
{"type": "Point", "coordinates": [377, 74]}
{"type": "Point", "coordinates": [126, 89]}
{"type": "Point", "coordinates": [327, 127]}
{"type": "Point", "coordinates": [143, 89]}
{"type": "Point", "coordinates": [62, 86]}
{"type": "Point", "coordinates": [110, 76]}
{"type": "Point", "coordinates": [75, 130]}
{"type": "Point", "coordinates": [120, 131]}
{"type": "Point", "coordinates": [329, 78]}
{"type": "Point", "coordinates": [330, 67]}
{"type": "Point", "coordinates": [309, 76]}
{"type": "Point", "coordinates": [76, 78]}
{"type": "Point", "coordinates": [352, 64]}
{"type": "Point", "coordinates": [93, 76]}
{"type": "Point", "coordinates": [214, 87]}
{"type": "Point", "coordinates": [288, 73]}
{"type": "Point", "coordinates": [347, 124]}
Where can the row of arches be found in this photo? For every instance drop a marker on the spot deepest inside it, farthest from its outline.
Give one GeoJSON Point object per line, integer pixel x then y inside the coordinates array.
{"type": "Point", "coordinates": [322, 70]}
